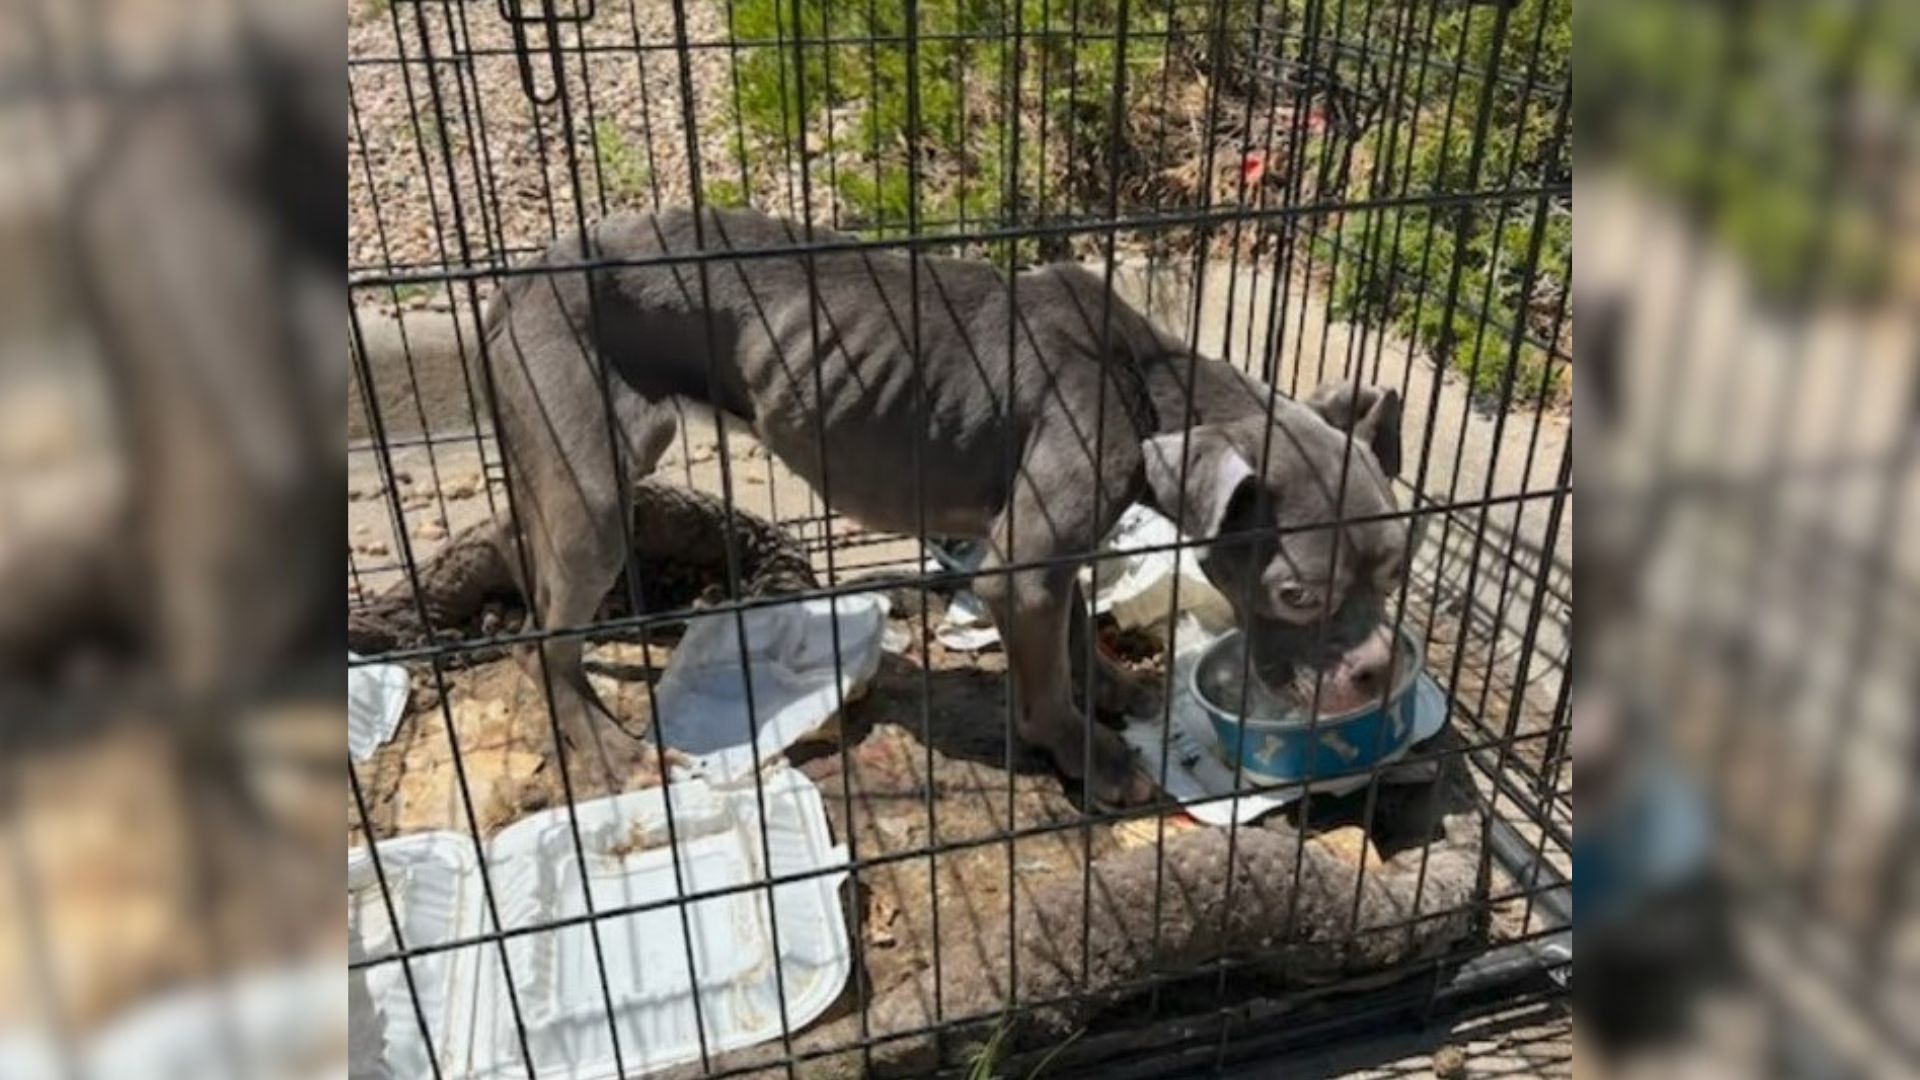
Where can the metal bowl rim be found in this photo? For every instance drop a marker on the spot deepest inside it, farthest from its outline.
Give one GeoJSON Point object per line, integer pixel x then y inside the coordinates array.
{"type": "Point", "coordinates": [1402, 687]}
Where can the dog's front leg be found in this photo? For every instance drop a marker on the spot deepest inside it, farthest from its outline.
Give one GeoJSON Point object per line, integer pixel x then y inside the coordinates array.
{"type": "Point", "coordinates": [1030, 608]}
{"type": "Point", "coordinates": [1052, 513]}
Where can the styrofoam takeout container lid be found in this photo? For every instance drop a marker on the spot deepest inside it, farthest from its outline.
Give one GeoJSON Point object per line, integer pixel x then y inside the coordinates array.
{"type": "Point", "coordinates": [806, 659]}
{"type": "Point", "coordinates": [537, 879]}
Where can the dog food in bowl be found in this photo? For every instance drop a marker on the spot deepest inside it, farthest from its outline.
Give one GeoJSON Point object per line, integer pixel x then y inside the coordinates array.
{"type": "Point", "coordinates": [1273, 739]}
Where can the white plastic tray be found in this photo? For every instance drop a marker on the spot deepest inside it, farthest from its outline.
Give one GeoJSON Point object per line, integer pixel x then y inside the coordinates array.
{"type": "Point", "coordinates": [537, 879]}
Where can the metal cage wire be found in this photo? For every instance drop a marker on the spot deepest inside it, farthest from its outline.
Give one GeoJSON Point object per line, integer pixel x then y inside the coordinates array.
{"type": "Point", "coordinates": [1493, 570]}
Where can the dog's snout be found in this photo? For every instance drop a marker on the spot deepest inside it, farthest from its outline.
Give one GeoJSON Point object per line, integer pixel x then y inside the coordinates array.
{"type": "Point", "coordinates": [1370, 664]}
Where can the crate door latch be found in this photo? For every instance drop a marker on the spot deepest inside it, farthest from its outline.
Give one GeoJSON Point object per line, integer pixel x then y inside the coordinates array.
{"type": "Point", "coordinates": [544, 14]}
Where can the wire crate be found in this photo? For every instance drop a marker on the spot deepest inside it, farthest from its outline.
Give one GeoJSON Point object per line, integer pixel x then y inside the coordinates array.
{"type": "Point", "coordinates": [1375, 191]}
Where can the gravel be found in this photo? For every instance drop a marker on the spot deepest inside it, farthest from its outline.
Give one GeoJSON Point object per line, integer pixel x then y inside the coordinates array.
{"type": "Point", "coordinates": [512, 185]}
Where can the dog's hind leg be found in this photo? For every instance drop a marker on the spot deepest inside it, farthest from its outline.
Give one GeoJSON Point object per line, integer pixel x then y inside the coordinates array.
{"type": "Point", "coordinates": [572, 510]}
{"type": "Point", "coordinates": [573, 567]}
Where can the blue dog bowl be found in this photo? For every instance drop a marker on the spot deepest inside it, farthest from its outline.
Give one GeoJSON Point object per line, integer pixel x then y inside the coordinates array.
{"type": "Point", "coordinates": [1277, 744]}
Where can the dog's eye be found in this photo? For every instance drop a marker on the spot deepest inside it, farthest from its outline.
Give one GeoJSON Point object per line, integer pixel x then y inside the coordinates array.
{"type": "Point", "coordinates": [1298, 596]}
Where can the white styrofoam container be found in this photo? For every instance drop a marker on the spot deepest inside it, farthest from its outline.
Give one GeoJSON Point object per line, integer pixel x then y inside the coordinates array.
{"type": "Point", "coordinates": [799, 680]}
{"type": "Point", "coordinates": [435, 890]}
{"type": "Point", "coordinates": [1138, 590]}
{"type": "Point", "coordinates": [537, 878]}
{"type": "Point", "coordinates": [376, 699]}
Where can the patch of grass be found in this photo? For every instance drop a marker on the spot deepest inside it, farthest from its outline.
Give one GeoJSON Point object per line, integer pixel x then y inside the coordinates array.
{"type": "Point", "coordinates": [725, 194]}
{"type": "Point", "coordinates": [1384, 279]}
{"type": "Point", "coordinates": [983, 161]}
{"type": "Point", "coordinates": [406, 293]}
{"type": "Point", "coordinates": [623, 170]}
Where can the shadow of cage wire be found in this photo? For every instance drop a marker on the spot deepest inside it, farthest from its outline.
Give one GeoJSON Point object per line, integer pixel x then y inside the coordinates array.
{"type": "Point", "coordinates": [1376, 192]}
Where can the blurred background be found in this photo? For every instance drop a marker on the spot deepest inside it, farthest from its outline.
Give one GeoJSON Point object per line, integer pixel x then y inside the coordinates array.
{"type": "Point", "coordinates": [171, 320]}
{"type": "Point", "coordinates": [1744, 720]}
{"type": "Point", "coordinates": [172, 241]}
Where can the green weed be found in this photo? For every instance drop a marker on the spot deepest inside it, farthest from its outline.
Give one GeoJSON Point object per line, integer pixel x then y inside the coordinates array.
{"type": "Point", "coordinates": [984, 1063]}
{"type": "Point", "coordinates": [985, 1060]}
{"type": "Point", "coordinates": [725, 194]}
{"type": "Point", "coordinates": [406, 293]}
{"type": "Point", "coordinates": [1395, 267]}
{"type": "Point", "coordinates": [1037, 1070]}
{"type": "Point", "coordinates": [623, 170]}
{"type": "Point", "coordinates": [957, 114]}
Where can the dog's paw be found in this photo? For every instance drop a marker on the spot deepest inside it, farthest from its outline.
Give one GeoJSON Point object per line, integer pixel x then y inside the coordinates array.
{"type": "Point", "coordinates": [1113, 782]}
{"type": "Point", "coordinates": [619, 762]}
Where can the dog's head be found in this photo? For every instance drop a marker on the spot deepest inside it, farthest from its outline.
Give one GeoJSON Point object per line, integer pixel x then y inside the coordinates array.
{"type": "Point", "coordinates": [1310, 595]}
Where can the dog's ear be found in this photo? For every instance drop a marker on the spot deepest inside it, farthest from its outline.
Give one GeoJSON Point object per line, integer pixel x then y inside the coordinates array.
{"type": "Point", "coordinates": [1371, 413]}
{"type": "Point", "coordinates": [1215, 474]}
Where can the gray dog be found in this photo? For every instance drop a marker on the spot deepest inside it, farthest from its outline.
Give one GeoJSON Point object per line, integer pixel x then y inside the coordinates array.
{"type": "Point", "coordinates": [931, 388]}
